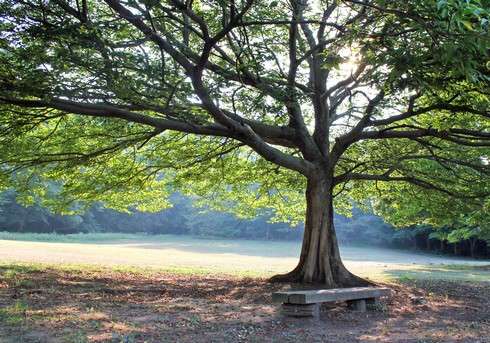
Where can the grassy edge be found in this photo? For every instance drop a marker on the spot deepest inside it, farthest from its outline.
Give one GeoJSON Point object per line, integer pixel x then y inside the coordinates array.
{"type": "Point", "coordinates": [461, 273]}
{"type": "Point", "coordinates": [31, 267]}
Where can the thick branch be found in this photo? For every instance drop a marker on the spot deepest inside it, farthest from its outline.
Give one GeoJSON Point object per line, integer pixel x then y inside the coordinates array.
{"type": "Point", "coordinates": [470, 138]}
{"type": "Point", "coordinates": [107, 111]}
{"type": "Point", "coordinates": [409, 179]}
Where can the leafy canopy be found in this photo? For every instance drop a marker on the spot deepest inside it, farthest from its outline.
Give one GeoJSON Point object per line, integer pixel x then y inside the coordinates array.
{"type": "Point", "coordinates": [242, 101]}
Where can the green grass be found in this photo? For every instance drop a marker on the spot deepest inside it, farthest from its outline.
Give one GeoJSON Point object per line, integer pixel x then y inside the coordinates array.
{"type": "Point", "coordinates": [14, 315]}
{"type": "Point", "coordinates": [441, 272]}
{"type": "Point", "coordinates": [14, 272]}
{"type": "Point", "coordinates": [16, 275]}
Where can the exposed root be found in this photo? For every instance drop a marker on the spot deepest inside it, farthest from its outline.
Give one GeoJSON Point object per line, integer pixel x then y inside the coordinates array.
{"type": "Point", "coordinates": [346, 279]}
{"type": "Point", "coordinates": [353, 281]}
{"type": "Point", "coordinates": [293, 276]}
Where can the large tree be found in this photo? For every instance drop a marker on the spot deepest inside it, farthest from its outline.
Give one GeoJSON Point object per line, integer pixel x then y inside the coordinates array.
{"type": "Point", "coordinates": [252, 102]}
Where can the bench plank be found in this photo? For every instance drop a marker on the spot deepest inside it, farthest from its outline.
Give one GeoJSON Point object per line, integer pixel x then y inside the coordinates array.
{"type": "Point", "coordinates": [329, 295]}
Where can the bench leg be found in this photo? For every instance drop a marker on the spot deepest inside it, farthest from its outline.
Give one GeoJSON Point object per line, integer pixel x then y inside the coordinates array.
{"type": "Point", "coordinates": [300, 310]}
{"type": "Point", "coordinates": [372, 303]}
{"type": "Point", "coordinates": [358, 305]}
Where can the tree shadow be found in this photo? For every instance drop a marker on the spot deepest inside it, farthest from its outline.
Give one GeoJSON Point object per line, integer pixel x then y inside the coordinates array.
{"type": "Point", "coordinates": [112, 306]}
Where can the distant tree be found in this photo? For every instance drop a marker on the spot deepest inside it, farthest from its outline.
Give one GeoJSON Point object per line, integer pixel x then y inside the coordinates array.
{"type": "Point", "coordinates": [253, 103]}
{"type": "Point", "coordinates": [464, 230]}
{"type": "Point", "coordinates": [18, 218]}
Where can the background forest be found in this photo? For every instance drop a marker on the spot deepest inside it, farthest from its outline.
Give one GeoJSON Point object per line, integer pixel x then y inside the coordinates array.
{"type": "Point", "coordinates": [186, 217]}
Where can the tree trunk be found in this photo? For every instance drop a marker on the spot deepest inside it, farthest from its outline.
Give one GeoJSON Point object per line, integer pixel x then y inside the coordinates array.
{"type": "Point", "coordinates": [320, 261]}
{"type": "Point", "coordinates": [22, 224]}
{"type": "Point", "coordinates": [473, 242]}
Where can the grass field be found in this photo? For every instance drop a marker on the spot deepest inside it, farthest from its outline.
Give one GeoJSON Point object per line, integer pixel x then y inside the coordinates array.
{"type": "Point", "coordinates": [238, 257]}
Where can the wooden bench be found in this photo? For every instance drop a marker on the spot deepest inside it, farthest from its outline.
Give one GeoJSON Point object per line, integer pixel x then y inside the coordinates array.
{"type": "Point", "coordinates": [306, 303]}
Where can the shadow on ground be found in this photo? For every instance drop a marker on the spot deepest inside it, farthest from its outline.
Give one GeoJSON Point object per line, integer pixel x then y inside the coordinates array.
{"type": "Point", "coordinates": [51, 305]}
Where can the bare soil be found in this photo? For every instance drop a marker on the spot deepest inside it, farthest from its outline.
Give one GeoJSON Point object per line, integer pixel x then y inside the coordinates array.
{"type": "Point", "coordinates": [52, 305]}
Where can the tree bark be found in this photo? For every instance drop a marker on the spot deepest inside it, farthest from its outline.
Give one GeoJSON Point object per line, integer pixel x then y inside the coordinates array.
{"type": "Point", "coordinates": [320, 261]}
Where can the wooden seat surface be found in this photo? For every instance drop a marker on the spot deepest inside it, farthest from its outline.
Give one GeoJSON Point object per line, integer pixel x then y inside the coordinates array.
{"type": "Point", "coordinates": [329, 295]}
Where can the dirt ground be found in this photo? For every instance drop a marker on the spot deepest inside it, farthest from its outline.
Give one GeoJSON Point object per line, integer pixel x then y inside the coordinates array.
{"type": "Point", "coordinates": [53, 305]}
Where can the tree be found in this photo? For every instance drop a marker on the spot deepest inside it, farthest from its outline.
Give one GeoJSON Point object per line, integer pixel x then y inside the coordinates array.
{"type": "Point", "coordinates": [252, 102]}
